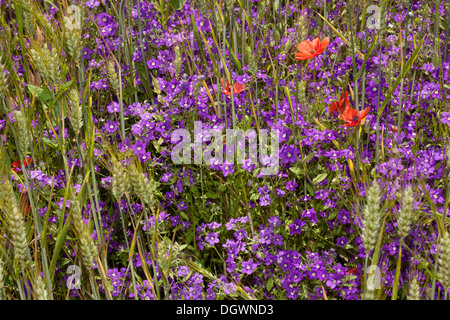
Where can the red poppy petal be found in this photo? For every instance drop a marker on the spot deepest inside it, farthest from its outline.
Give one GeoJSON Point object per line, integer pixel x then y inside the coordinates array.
{"type": "Point", "coordinates": [364, 113]}
{"type": "Point", "coordinates": [237, 87]}
{"type": "Point", "coordinates": [315, 43]}
{"type": "Point", "coordinates": [349, 114]}
{"type": "Point", "coordinates": [303, 56]}
{"type": "Point", "coordinates": [333, 107]}
{"type": "Point", "coordinates": [323, 44]}
{"type": "Point", "coordinates": [305, 46]}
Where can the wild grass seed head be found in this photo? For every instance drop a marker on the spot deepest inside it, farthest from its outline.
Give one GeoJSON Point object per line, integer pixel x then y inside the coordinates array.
{"type": "Point", "coordinates": [3, 81]}
{"type": "Point", "coordinates": [444, 261]}
{"type": "Point", "coordinates": [16, 222]}
{"type": "Point", "coordinates": [405, 214]}
{"type": "Point", "coordinates": [76, 111]}
{"type": "Point", "coordinates": [28, 19]}
{"type": "Point", "coordinates": [414, 290]}
{"type": "Point", "coordinates": [88, 250]}
{"type": "Point", "coordinates": [40, 291]}
{"type": "Point", "coordinates": [20, 123]}
{"type": "Point", "coordinates": [112, 75]}
{"type": "Point", "coordinates": [372, 218]}
{"type": "Point", "coordinates": [120, 184]}
{"type": "Point", "coordinates": [72, 40]}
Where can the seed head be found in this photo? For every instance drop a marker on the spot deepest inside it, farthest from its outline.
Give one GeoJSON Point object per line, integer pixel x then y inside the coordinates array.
{"type": "Point", "coordinates": [15, 219]}
{"type": "Point", "coordinates": [372, 218]}
{"type": "Point", "coordinates": [444, 261]}
{"type": "Point", "coordinates": [72, 40]}
{"type": "Point", "coordinates": [76, 111]}
{"type": "Point", "coordinates": [41, 292]}
{"type": "Point", "coordinates": [88, 250]}
{"type": "Point", "coordinates": [112, 75]}
{"type": "Point", "coordinates": [3, 80]}
{"type": "Point", "coordinates": [120, 184]}
{"type": "Point", "coordinates": [22, 132]}
{"type": "Point", "coordinates": [405, 214]}
{"type": "Point", "coordinates": [414, 290]}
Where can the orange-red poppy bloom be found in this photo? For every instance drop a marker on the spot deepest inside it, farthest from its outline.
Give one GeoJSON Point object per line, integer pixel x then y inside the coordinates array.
{"type": "Point", "coordinates": [394, 128]}
{"type": "Point", "coordinates": [16, 167]}
{"type": "Point", "coordinates": [237, 88]}
{"type": "Point", "coordinates": [338, 108]}
{"type": "Point", "coordinates": [352, 271]}
{"type": "Point", "coordinates": [308, 50]}
{"type": "Point", "coordinates": [24, 202]}
{"type": "Point", "coordinates": [353, 117]}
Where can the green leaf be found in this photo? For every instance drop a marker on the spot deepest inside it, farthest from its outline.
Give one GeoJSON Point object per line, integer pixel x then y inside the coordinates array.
{"type": "Point", "coordinates": [310, 189]}
{"type": "Point", "coordinates": [309, 157]}
{"type": "Point", "coordinates": [143, 76]}
{"type": "Point", "coordinates": [50, 143]}
{"type": "Point", "coordinates": [43, 95]}
{"type": "Point", "coordinates": [183, 215]}
{"type": "Point", "coordinates": [212, 195]}
{"type": "Point", "coordinates": [195, 191]}
{"type": "Point", "coordinates": [269, 284]}
{"type": "Point", "coordinates": [297, 171]}
{"type": "Point", "coordinates": [177, 4]}
{"type": "Point", "coordinates": [320, 178]}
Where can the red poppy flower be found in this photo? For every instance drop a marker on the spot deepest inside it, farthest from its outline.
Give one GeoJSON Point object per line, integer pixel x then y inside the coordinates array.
{"type": "Point", "coordinates": [338, 108]}
{"type": "Point", "coordinates": [308, 50]}
{"type": "Point", "coordinates": [237, 88]}
{"type": "Point", "coordinates": [24, 202]}
{"type": "Point", "coordinates": [16, 167]}
{"type": "Point", "coordinates": [394, 128]}
{"type": "Point", "coordinates": [353, 118]}
{"type": "Point", "coordinates": [352, 271]}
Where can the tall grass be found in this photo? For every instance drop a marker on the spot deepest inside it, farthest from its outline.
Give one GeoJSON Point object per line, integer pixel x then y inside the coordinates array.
{"type": "Point", "coordinates": [93, 203]}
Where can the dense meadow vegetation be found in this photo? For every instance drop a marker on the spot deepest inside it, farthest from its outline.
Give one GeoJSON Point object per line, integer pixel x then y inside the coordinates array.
{"type": "Point", "coordinates": [93, 205]}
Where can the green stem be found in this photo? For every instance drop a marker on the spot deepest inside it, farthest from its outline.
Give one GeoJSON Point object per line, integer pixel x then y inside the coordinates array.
{"type": "Point", "coordinates": [397, 274]}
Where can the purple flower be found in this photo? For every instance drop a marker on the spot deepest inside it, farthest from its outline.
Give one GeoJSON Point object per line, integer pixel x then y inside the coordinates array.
{"type": "Point", "coordinates": [332, 283]}
{"type": "Point", "coordinates": [264, 200]}
{"type": "Point", "coordinates": [247, 165]}
{"type": "Point", "coordinates": [152, 63]}
{"type": "Point", "coordinates": [310, 214]}
{"type": "Point", "coordinates": [231, 266]}
{"type": "Point", "coordinates": [278, 240]}
{"type": "Point", "coordinates": [445, 118]}
{"type": "Point", "coordinates": [113, 107]}
{"type": "Point", "coordinates": [274, 221]}
{"type": "Point", "coordinates": [92, 3]}
{"type": "Point", "coordinates": [248, 266]}
{"type": "Point", "coordinates": [212, 238]}
{"type": "Point", "coordinates": [214, 225]}
{"type": "Point", "coordinates": [289, 154]}
{"type": "Point", "coordinates": [227, 168]}
{"type": "Point", "coordinates": [296, 227]}
{"type": "Point", "coordinates": [166, 176]}
{"type": "Point", "coordinates": [139, 148]}
{"type": "Point", "coordinates": [291, 185]}
{"type": "Point", "coordinates": [280, 192]}
{"type": "Point", "coordinates": [183, 271]}
{"type": "Point", "coordinates": [145, 156]}
{"type": "Point", "coordinates": [341, 241]}
{"type": "Point", "coordinates": [263, 190]}
{"type": "Point", "coordinates": [231, 224]}
{"type": "Point", "coordinates": [240, 234]}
